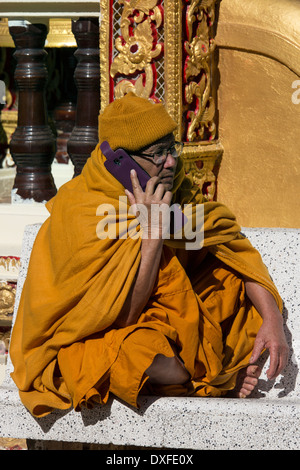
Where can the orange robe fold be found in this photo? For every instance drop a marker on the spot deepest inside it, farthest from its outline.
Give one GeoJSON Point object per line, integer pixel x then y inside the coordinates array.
{"type": "Point", "coordinates": [64, 349]}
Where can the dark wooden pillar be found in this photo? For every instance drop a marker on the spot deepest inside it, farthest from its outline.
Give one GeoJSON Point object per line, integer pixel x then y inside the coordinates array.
{"type": "Point", "coordinates": [33, 143]}
{"type": "Point", "coordinates": [65, 112]}
{"type": "Point", "coordinates": [84, 137]}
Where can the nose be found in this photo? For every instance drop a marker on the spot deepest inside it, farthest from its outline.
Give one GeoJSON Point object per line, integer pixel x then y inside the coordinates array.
{"type": "Point", "coordinates": [170, 162]}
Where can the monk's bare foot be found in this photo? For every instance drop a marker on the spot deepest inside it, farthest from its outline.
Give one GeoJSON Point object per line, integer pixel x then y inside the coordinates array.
{"type": "Point", "coordinates": [247, 380]}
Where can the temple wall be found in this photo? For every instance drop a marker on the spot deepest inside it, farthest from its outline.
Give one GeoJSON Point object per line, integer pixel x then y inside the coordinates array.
{"type": "Point", "coordinates": [259, 124]}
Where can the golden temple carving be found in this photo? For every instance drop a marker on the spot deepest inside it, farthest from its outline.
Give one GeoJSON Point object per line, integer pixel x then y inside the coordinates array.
{"type": "Point", "coordinates": [137, 47]}
{"type": "Point", "coordinates": [200, 108]}
{"type": "Point", "coordinates": [202, 163]}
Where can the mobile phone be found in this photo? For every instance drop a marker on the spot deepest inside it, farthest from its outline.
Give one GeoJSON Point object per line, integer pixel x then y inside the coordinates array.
{"type": "Point", "coordinates": [119, 164]}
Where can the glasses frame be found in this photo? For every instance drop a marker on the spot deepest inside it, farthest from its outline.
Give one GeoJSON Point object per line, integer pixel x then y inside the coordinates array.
{"type": "Point", "coordinates": [158, 158]}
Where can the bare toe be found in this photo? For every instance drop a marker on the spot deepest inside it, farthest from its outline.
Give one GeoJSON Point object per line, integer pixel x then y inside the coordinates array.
{"type": "Point", "coordinates": [253, 371]}
{"type": "Point", "coordinates": [247, 380]}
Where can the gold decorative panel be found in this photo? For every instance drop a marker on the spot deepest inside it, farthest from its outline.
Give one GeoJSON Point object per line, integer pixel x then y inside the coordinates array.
{"type": "Point", "coordinates": [163, 51]}
{"type": "Point", "coordinates": [137, 48]}
{"type": "Point", "coordinates": [199, 107]}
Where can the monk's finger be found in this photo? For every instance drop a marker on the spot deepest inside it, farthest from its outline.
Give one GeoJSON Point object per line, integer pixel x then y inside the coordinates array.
{"type": "Point", "coordinates": [137, 189]}
{"type": "Point", "coordinates": [131, 197]}
{"type": "Point", "coordinates": [257, 350]}
{"type": "Point", "coordinates": [168, 197]}
{"type": "Point", "coordinates": [151, 185]}
{"type": "Point", "coordinates": [281, 358]}
{"type": "Point", "coordinates": [159, 192]}
{"type": "Point", "coordinates": [272, 372]}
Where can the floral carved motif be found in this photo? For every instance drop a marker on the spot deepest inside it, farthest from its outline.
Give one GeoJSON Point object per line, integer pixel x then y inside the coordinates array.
{"type": "Point", "coordinates": [137, 48]}
{"type": "Point", "coordinates": [199, 46]}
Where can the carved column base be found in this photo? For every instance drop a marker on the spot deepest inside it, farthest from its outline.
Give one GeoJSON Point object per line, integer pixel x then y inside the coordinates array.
{"type": "Point", "coordinates": [32, 184]}
{"type": "Point", "coordinates": [84, 137]}
{"type": "Point", "coordinates": [33, 143]}
{"type": "Point", "coordinates": [34, 179]}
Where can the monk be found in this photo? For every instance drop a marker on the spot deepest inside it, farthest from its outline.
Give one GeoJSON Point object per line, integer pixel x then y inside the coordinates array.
{"type": "Point", "coordinates": [143, 314]}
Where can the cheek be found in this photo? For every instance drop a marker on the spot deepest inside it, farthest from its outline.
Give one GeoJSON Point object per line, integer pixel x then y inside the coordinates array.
{"type": "Point", "coordinates": [153, 170]}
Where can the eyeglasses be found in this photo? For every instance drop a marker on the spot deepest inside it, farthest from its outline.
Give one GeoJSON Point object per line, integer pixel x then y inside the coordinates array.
{"type": "Point", "coordinates": [159, 158]}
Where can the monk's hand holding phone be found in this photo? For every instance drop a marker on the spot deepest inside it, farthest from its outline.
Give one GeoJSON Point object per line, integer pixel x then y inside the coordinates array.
{"type": "Point", "coordinates": [151, 206]}
{"type": "Point", "coordinates": [142, 203]}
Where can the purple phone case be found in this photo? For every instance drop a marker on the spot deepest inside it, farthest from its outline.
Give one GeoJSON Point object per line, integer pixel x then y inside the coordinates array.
{"type": "Point", "coordinates": [119, 164]}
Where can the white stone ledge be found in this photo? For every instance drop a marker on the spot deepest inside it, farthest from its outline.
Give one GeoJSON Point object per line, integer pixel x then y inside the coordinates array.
{"type": "Point", "coordinates": [178, 423]}
{"type": "Point", "coordinates": [268, 421]}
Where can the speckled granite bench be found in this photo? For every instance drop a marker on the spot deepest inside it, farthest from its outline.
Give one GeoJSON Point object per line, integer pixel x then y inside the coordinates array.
{"type": "Point", "coordinates": [269, 420]}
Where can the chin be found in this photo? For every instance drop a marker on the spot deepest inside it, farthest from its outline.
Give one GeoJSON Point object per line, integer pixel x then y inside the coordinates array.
{"type": "Point", "coordinates": [167, 182]}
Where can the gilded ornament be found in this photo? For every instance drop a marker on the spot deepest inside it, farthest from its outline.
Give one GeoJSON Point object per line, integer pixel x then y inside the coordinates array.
{"type": "Point", "coordinates": [137, 47]}
{"type": "Point", "coordinates": [196, 12]}
{"type": "Point", "coordinates": [199, 51]}
{"type": "Point", "coordinates": [197, 71]}
{"type": "Point", "coordinates": [201, 162]}
{"type": "Point", "coordinates": [205, 179]}
{"type": "Point", "coordinates": [137, 52]}
{"type": "Point", "coordinates": [7, 299]}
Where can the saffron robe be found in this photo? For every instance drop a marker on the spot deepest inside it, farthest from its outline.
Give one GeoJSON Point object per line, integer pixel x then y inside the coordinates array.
{"type": "Point", "coordinates": [64, 348]}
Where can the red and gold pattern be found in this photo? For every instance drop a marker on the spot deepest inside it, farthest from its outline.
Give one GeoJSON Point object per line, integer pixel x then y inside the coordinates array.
{"type": "Point", "coordinates": [137, 48]}
{"type": "Point", "coordinates": [199, 106]}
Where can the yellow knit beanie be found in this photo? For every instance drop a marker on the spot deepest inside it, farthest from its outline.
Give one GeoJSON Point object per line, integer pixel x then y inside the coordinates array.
{"type": "Point", "coordinates": [132, 123]}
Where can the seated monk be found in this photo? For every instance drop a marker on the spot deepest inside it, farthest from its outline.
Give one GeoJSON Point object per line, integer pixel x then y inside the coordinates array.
{"type": "Point", "coordinates": [144, 314]}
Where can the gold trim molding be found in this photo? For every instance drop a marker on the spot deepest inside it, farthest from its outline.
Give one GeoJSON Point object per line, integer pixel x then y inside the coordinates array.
{"type": "Point", "coordinates": [173, 61]}
{"type": "Point", "coordinates": [199, 108]}
{"type": "Point", "coordinates": [60, 33]}
{"type": "Point", "coordinates": [104, 53]}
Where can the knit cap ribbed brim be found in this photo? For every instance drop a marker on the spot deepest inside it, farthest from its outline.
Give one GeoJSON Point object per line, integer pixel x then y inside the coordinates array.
{"type": "Point", "coordinates": [132, 123]}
